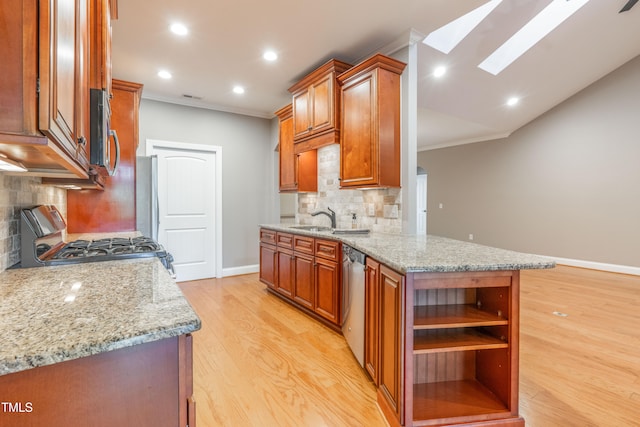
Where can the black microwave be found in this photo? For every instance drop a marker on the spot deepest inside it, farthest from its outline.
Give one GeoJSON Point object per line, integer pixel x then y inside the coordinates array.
{"type": "Point", "coordinates": [101, 134]}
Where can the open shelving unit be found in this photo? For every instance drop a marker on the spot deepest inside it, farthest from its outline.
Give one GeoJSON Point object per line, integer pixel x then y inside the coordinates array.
{"type": "Point", "coordinates": [463, 334]}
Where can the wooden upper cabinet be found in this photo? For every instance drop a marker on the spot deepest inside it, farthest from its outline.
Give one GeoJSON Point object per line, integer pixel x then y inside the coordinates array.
{"type": "Point", "coordinates": [101, 17]}
{"type": "Point", "coordinates": [44, 96]}
{"type": "Point", "coordinates": [288, 173]}
{"type": "Point", "coordinates": [316, 112]}
{"type": "Point", "coordinates": [114, 208]}
{"type": "Point", "coordinates": [63, 29]}
{"type": "Point", "coordinates": [298, 172]}
{"type": "Point", "coordinates": [370, 135]}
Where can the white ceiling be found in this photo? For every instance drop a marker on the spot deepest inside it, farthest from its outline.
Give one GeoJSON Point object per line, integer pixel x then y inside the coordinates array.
{"type": "Point", "coordinates": [227, 39]}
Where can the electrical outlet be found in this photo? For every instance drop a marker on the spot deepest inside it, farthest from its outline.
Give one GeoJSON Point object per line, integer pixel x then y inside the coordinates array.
{"type": "Point", "coordinates": [371, 209]}
{"type": "Point", "coordinates": [470, 236]}
{"type": "Point", "coordinates": [441, 206]}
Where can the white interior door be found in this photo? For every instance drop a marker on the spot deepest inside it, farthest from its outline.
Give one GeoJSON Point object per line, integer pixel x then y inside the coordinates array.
{"type": "Point", "coordinates": [188, 206]}
{"type": "Point", "coordinates": [421, 204]}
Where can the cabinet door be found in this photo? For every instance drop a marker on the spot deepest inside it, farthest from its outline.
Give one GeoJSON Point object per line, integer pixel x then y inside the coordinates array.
{"type": "Point", "coordinates": [62, 28]}
{"type": "Point", "coordinates": [304, 287]}
{"type": "Point", "coordinates": [322, 101]}
{"type": "Point", "coordinates": [328, 290]}
{"type": "Point", "coordinates": [100, 18]}
{"type": "Point", "coordinates": [307, 171]}
{"type": "Point", "coordinates": [268, 265]}
{"type": "Point", "coordinates": [83, 98]}
{"type": "Point", "coordinates": [285, 272]}
{"type": "Point", "coordinates": [302, 114]}
{"type": "Point", "coordinates": [370, 136]}
{"type": "Point", "coordinates": [371, 316]}
{"type": "Point", "coordinates": [358, 150]}
{"type": "Point", "coordinates": [391, 338]}
{"type": "Point", "coordinates": [288, 160]}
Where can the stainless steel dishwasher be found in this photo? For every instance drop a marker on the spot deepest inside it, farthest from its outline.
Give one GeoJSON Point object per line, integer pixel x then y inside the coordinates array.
{"type": "Point", "coordinates": [353, 274]}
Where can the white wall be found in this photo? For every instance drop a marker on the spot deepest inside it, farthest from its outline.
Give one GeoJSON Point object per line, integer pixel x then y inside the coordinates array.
{"type": "Point", "coordinates": [247, 170]}
{"type": "Point", "coordinates": [566, 185]}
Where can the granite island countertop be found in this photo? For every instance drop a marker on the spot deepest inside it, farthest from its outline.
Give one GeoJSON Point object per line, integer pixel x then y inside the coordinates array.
{"type": "Point", "coordinates": [414, 253]}
{"type": "Point", "coordinates": [59, 313]}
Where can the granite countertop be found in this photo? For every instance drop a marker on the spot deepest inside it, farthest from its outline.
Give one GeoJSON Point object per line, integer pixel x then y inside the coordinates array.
{"type": "Point", "coordinates": [413, 253]}
{"type": "Point", "coordinates": [58, 313]}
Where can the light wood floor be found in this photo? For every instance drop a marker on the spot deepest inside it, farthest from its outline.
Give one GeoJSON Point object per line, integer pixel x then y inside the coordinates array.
{"type": "Point", "coordinates": [584, 369]}
{"type": "Point", "coordinates": [259, 362]}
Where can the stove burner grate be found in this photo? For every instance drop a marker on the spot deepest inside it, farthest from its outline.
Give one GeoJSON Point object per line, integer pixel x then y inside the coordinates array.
{"type": "Point", "coordinates": [108, 247]}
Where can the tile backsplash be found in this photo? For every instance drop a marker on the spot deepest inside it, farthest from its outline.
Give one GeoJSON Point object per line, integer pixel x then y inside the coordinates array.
{"type": "Point", "coordinates": [378, 210]}
{"type": "Point", "coordinates": [17, 192]}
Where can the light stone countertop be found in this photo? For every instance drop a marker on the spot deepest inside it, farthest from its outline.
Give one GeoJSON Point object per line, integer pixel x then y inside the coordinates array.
{"type": "Point", "coordinates": [58, 313]}
{"type": "Point", "coordinates": [413, 253]}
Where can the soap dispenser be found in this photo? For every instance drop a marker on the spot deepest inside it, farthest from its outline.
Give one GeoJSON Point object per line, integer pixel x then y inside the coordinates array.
{"type": "Point", "coordinates": [354, 221]}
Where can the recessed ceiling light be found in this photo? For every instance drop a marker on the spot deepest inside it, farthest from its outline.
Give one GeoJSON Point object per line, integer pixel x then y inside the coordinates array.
{"type": "Point", "coordinates": [270, 55]}
{"type": "Point", "coordinates": [447, 37]}
{"type": "Point", "coordinates": [179, 29]}
{"type": "Point", "coordinates": [439, 71]}
{"type": "Point", "coordinates": [164, 74]}
{"type": "Point", "coordinates": [238, 89]}
{"type": "Point", "coordinates": [536, 29]}
{"type": "Point", "coordinates": [514, 100]}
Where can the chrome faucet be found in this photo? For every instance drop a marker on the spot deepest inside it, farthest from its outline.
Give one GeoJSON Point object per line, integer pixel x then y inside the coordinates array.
{"type": "Point", "coordinates": [331, 215]}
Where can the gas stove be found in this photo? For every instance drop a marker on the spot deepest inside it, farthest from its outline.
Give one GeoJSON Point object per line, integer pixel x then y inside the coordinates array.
{"type": "Point", "coordinates": [42, 243]}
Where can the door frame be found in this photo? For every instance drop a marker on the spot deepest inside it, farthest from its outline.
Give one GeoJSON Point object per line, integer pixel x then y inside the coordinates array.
{"type": "Point", "coordinates": [152, 144]}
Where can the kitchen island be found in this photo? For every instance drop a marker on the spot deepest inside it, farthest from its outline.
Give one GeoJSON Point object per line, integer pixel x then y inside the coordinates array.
{"type": "Point", "coordinates": [100, 344]}
{"type": "Point", "coordinates": [441, 321]}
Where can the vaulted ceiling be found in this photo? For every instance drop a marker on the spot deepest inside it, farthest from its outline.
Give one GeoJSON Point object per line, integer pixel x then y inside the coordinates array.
{"type": "Point", "coordinates": [226, 41]}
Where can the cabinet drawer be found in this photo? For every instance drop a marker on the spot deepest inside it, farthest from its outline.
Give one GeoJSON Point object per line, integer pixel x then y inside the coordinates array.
{"type": "Point", "coordinates": [267, 236]}
{"type": "Point", "coordinates": [284, 240]}
{"type": "Point", "coordinates": [328, 249]}
{"type": "Point", "coordinates": [303, 244]}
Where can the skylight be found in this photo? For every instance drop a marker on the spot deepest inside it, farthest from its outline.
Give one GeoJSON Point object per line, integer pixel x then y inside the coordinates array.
{"type": "Point", "coordinates": [447, 37]}
{"type": "Point", "coordinates": [534, 31]}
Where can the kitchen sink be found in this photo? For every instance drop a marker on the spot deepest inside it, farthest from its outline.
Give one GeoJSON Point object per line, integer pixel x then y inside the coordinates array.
{"type": "Point", "coordinates": [311, 227]}
{"type": "Point", "coordinates": [350, 231]}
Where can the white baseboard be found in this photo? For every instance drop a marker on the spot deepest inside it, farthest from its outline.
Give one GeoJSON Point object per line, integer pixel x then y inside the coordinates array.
{"type": "Point", "coordinates": [614, 268]}
{"type": "Point", "coordinates": [237, 271]}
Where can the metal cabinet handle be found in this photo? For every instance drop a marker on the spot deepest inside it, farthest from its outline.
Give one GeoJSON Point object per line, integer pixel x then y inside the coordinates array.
{"type": "Point", "coordinates": [113, 133]}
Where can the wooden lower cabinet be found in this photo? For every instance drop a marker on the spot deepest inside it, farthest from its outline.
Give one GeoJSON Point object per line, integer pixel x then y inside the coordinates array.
{"type": "Point", "coordinates": [442, 348]}
{"type": "Point", "coordinates": [391, 338]}
{"type": "Point", "coordinates": [304, 289]}
{"type": "Point", "coordinates": [462, 342]}
{"type": "Point", "coordinates": [384, 337]}
{"type": "Point", "coordinates": [286, 272]}
{"type": "Point", "coordinates": [372, 317]}
{"type": "Point", "coordinates": [144, 385]}
{"type": "Point", "coordinates": [306, 272]}
{"type": "Point", "coordinates": [327, 274]}
{"type": "Point", "coordinates": [268, 265]}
